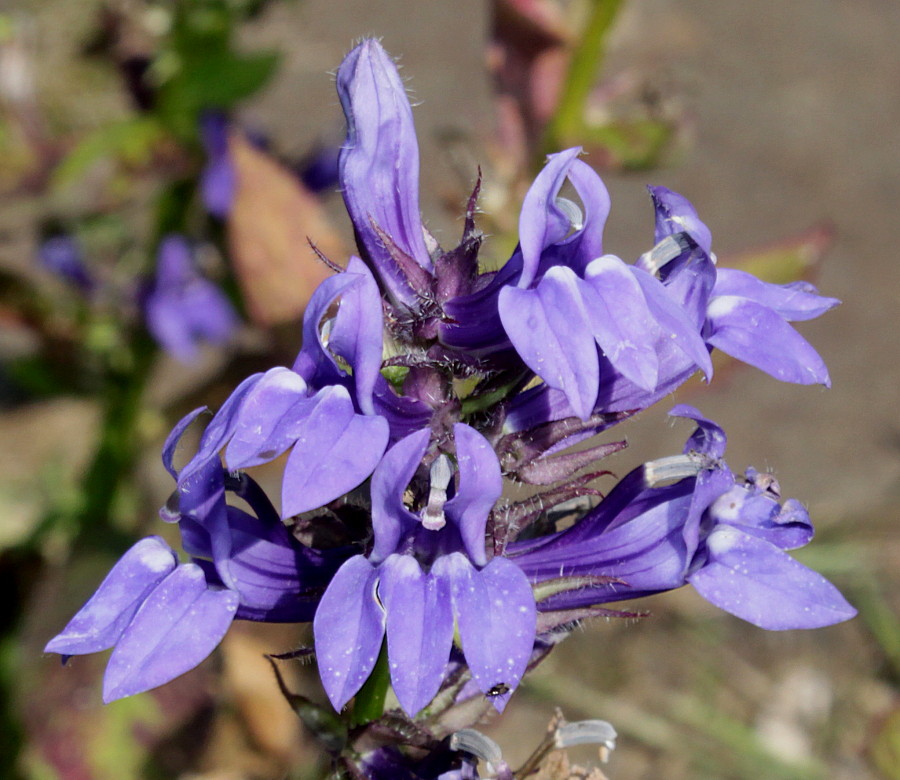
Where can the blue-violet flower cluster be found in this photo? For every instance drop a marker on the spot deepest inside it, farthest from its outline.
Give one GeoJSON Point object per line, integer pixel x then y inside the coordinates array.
{"type": "Point", "coordinates": [425, 382]}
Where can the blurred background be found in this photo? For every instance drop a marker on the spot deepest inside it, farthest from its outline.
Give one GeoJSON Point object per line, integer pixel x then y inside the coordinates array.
{"type": "Point", "coordinates": [779, 121]}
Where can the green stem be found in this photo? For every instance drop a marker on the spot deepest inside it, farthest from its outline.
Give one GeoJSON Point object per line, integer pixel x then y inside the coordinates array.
{"type": "Point", "coordinates": [116, 452]}
{"type": "Point", "coordinates": [568, 121]}
{"type": "Point", "coordinates": [369, 702]}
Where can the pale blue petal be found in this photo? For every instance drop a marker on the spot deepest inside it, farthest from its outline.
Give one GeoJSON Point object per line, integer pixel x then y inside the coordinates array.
{"type": "Point", "coordinates": [419, 630]}
{"type": "Point", "coordinates": [101, 621]}
{"type": "Point", "coordinates": [496, 615]}
{"type": "Point", "coordinates": [336, 449]}
{"type": "Point", "coordinates": [755, 334]}
{"type": "Point", "coordinates": [178, 626]}
{"type": "Point", "coordinates": [480, 485]}
{"type": "Point", "coordinates": [795, 301]}
{"type": "Point", "coordinates": [348, 629]}
{"type": "Point", "coordinates": [763, 585]}
{"type": "Point", "coordinates": [621, 320]}
{"type": "Point", "coordinates": [389, 514]}
{"type": "Point", "coordinates": [550, 330]}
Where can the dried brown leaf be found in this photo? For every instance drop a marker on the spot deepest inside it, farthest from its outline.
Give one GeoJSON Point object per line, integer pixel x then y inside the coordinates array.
{"type": "Point", "coordinates": [273, 217]}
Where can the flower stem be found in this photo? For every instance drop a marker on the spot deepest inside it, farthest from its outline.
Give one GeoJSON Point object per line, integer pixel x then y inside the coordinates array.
{"type": "Point", "coordinates": [369, 702]}
{"type": "Point", "coordinates": [568, 121]}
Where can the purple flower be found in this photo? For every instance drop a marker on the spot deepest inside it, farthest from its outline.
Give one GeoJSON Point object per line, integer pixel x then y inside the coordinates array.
{"type": "Point", "coordinates": [725, 536]}
{"type": "Point", "coordinates": [162, 619]}
{"type": "Point", "coordinates": [181, 307]}
{"type": "Point", "coordinates": [316, 409]}
{"type": "Point", "coordinates": [218, 177]}
{"type": "Point", "coordinates": [427, 571]}
{"type": "Point", "coordinates": [62, 256]}
{"type": "Point", "coordinates": [312, 408]}
{"type": "Point", "coordinates": [603, 335]}
{"type": "Point", "coordinates": [741, 315]}
{"type": "Point", "coordinates": [581, 319]}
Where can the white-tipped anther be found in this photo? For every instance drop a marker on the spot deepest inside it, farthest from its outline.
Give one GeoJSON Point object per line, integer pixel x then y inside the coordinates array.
{"type": "Point", "coordinates": [441, 474]}
{"type": "Point", "coordinates": [478, 745]}
{"type": "Point", "coordinates": [587, 732]}
{"type": "Point", "coordinates": [666, 250]}
{"type": "Point", "coordinates": [671, 468]}
{"type": "Point", "coordinates": [572, 212]}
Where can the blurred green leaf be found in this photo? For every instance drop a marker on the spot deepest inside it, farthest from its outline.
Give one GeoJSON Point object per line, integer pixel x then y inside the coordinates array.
{"type": "Point", "coordinates": [116, 750]}
{"type": "Point", "coordinates": [885, 750]}
{"type": "Point", "coordinates": [211, 80]}
{"type": "Point", "coordinates": [130, 141]}
{"type": "Point", "coordinates": [584, 68]}
{"type": "Point", "coordinates": [632, 144]}
{"type": "Point", "coordinates": [793, 258]}
{"type": "Point", "coordinates": [882, 621]}
{"type": "Point", "coordinates": [199, 70]}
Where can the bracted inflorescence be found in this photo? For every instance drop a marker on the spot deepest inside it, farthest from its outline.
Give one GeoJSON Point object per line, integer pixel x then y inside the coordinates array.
{"type": "Point", "coordinates": [423, 383]}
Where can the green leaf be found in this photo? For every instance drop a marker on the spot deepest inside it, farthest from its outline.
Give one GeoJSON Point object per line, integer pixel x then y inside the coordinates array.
{"type": "Point", "coordinates": [631, 144]}
{"type": "Point", "coordinates": [210, 80]}
{"type": "Point", "coordinates": [789, 260]}
{"type": "Point", "coordinates": [130, 141]}
{"type": "Point", "coordinates": [885, 749]}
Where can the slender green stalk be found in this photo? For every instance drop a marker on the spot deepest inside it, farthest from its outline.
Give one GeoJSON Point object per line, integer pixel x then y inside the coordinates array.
{"type": "Point", "coordinates": [587, 59]}
{"type": "Point", "coordinates": [116, 453]}
{"type": "Point", "coordinates": [369, 702]}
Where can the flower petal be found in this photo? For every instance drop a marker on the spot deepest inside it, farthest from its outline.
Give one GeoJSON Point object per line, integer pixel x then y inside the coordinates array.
{"type": "Point", "coordinates": [357, 332]}
{"type": "Point", "coordinates": [550, 329]}
{"type": "Point", "coordinates": [636, 535]}
{"type": "Point", "coordinates": [708, 438]}
{"type": "Point", "coordinates": [496, 615]}
{"type": "Point", "coordinates": [348, 629]}
{"type": "Point", "coordinates": [542, 222]}
{"type": "Point", "coordinates": [763, 585]}
{"type": "Point", "coordinates": [262, 425]}
{"type": "Point", "coordinates": [101, 621]}
{"type": "Point", "coordinates": [174, 438]}
{"type": "Point", "coordinates": [757, 513]}
{"type": "Point", "coordinates": [419, 630]}
{"type": "Point", "coordinates": [587, 243]}
{"type": "Point", "coordinates": [621, 320]}
{"type": "Point", "coordinates": [674, 214]}
{"type": "Point", "coordinates": [389, 514]}
{"type": "Point", "coordinates": [480, 485]}
{"type": "Point", "coordinates": [677, 327]}
{"type": "Point", "coordinates": [795, 301]}
{"type": "Point", "coordinates": [176, 628]}
{"type": "Point", "coordinates": [336, 450]}
{"type": "Point", "coordinates": [276, 576]}
{"type": "Point", "coordinates": [201, 498]}
{"type": "Point", "coordinates": [755, 334]}
{"type": "Point", "coordinates": [314, 362]}
{"type": "Point", "coordinates": [219, 430]}
{"type": "Point", "coordinates": [379, 163]}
